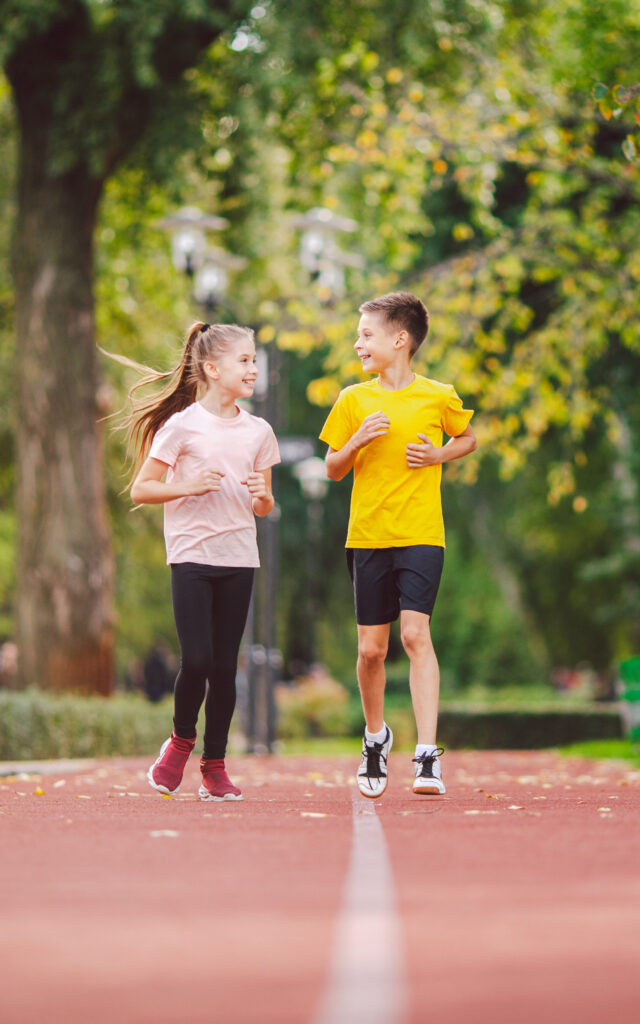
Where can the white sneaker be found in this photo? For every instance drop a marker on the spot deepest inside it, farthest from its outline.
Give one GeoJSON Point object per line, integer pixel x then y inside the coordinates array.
{"type": "Point", "coordinates": [429, 773]}
{"type": "Point", "coordinates": [372, 773]}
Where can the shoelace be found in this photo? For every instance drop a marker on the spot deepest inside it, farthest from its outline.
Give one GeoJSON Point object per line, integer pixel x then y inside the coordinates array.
{"type": "Point", "coordinates": [427, 762]}
{"type": "Point", "coordinates": [374, 754]}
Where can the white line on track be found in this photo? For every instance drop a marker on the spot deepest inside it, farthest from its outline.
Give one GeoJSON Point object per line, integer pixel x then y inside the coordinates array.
{"type": "Point", "coordinates": [366, 977]}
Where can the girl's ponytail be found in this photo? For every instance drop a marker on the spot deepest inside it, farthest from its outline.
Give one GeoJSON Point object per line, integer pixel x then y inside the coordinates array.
{"type": "Point", "coordinates": [203, 342]}
{"type": "Point", "coordinates": [147, 416]}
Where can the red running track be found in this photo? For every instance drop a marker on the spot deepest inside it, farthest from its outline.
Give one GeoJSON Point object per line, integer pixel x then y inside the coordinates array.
{"type": "Point", "coordinates": [517, 895]}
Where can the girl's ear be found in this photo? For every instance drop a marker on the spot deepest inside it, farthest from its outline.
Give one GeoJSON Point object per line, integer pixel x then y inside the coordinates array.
{"type": "Point", "coordinates": [211, 370]}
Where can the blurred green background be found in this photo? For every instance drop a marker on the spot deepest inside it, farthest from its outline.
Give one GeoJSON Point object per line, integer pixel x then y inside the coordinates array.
{"type": "Point", "coordinates": [487, 170]}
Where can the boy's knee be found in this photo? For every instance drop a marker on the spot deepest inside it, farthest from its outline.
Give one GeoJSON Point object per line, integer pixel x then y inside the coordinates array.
{"type": "Point", "coordinates": [372, 652]}
{"type": "Point", "coordinates": [415, 639]}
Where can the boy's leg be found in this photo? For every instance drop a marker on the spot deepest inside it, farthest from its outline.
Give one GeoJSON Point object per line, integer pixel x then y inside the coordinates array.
{"type": "Point", "coordinates": [373, 642]}
{"type": "Point", "coordinates": [424, 681]}
{"type": "Point", "coordinates": [424, 673]}
{"type": "Point", "coordinates": [378, 738]}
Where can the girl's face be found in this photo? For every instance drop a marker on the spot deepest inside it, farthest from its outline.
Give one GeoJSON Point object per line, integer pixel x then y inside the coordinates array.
{"type": "Point", "coordinates": [235, 370]}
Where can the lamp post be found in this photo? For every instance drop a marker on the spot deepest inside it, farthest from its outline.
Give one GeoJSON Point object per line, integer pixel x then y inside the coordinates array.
{"type": "Point", "coordinates": [312, 477]}
{"type": "Point", "coordinates": [188, 228]}
{"type": "Point", "coordinates": [211, 279]}
{"type": "Point", "coordinates": [320, 253]}
{"type": "Point", "coordinates": [209, 267]}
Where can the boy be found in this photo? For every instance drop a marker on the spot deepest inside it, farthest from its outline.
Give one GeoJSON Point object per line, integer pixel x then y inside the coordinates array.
{"type": "Point", "coordinates": [389, 430]}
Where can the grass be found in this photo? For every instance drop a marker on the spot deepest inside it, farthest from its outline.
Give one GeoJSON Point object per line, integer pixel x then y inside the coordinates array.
{"type": "Point", "coordinates": [318, 746]}
{"type": "Point", "coordinates": [530, 697]}
{"type": "Point", "coordinates": [619, 750]}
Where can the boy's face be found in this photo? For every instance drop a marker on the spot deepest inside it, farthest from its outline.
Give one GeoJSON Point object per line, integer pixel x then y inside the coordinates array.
{"type": "Point", "coordinates": [378, 342]}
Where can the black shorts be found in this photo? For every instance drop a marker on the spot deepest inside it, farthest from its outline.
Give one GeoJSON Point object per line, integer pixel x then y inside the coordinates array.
{"type": "Point", "coordinates": [386, 580]}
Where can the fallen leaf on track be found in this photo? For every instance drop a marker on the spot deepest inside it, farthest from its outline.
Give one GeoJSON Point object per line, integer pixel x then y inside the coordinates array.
{"type": "Point", "coordinates": [164, 833]}
{"type": "Point", "coordinates": [312, 814]}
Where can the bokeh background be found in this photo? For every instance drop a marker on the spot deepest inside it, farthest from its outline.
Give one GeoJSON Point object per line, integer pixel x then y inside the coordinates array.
{"type": "Point", "coordinates": [481, 154]}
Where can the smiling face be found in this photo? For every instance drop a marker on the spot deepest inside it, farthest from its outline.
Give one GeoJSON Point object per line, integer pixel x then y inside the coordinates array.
{"type": "Point", "coordinates": [379, 342]}
{"type": "Point", "coordinates": [234, 371]}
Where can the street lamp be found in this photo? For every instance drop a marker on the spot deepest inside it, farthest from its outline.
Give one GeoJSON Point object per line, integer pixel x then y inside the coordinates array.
{"type": "Point", "coordinates": [212, 276]}
{"type": "Point", "coordinates": [209, 268]}
{"type": "Point", "coordinates": [320, 254]}
{"type": "Point", "coordinates": [311, 474]}
{"type": "Point", "coordinates": [188, 227]}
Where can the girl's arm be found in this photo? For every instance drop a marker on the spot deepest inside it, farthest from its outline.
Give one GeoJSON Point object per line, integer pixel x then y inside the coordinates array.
{"type": "Point", "coordinates": [149, 487]}
{"type": "Point", "coordinates": [259, 484]}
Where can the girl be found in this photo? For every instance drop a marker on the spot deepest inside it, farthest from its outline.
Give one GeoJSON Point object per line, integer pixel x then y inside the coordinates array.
{"type": "Point", "coordinates": [209, 463]}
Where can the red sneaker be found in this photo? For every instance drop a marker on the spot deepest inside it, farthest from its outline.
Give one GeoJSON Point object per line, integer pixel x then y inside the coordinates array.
{"type": "Point", "coordinates": [216, 784]}
{"type": "Point", "coordinates": [165, 774]}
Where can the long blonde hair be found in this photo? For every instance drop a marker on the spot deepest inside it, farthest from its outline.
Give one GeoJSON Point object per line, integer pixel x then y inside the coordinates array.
{"type": "Point", "coordinates": [204, 343]}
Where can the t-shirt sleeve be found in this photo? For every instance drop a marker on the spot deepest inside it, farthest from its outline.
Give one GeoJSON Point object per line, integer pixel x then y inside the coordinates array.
{"type": "Point", "coordinates": [167, 443]}
{"type": "Point", "coordinates": [455, 419]}
{"type": "Point", "coordinates": [269, 453]}
{"type": "Point", "coordinates": [338, 426]}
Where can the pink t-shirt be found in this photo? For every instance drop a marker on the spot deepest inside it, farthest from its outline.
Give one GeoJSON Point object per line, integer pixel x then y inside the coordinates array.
{"type": "Point", "coordinates": [217, 528]}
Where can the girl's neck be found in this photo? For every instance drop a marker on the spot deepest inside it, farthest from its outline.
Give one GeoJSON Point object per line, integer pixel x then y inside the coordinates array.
{"type": "Point", "coordinates": [394, 378]}
{"type": "Point", "coordinates": [220, 403]}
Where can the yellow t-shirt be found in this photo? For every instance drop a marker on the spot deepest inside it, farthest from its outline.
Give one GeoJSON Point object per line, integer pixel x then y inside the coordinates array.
{"type": "Point", "coordinates": [392, 505]}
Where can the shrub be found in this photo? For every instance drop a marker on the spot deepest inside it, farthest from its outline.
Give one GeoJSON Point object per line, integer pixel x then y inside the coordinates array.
{"type": "Point", "coordinates": [38, 725]}
{"type": "Point", "coordinates": [313, 706]}
{"type": "Point", "coordinates": [486, 728]}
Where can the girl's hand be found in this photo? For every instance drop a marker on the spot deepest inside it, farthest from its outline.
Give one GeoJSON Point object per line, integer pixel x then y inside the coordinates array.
{"type": "Point", "coordinates": [257, 485]}
{"type": "Point", "coordinates": [372, 426]}
{"type": "Point", "coordinates": [425, 454]}
{"type": "Point", "coordinates": [208, 480]}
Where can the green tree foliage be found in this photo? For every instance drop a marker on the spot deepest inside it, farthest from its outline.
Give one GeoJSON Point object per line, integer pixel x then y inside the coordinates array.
{"type": "Point", "coordinates": [462, 139]}
{"type": "Point", "coordinates": [468, 153]}
{"type": "Point", "coordinates": [89, 79]}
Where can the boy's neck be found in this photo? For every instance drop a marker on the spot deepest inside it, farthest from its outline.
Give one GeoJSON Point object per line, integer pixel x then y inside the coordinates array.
{"type": "Point", "coordinates": [396, 377]}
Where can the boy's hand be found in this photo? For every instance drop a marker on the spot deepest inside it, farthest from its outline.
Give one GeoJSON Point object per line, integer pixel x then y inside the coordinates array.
{"type": "Point", "coordinates": [425, 454]}
{"type": "Point", "coordinates": [257, 485]}
{"type": "Point", "coordinates": [208, 480]}
{"type": "Point", "coordinates": [375, 425]}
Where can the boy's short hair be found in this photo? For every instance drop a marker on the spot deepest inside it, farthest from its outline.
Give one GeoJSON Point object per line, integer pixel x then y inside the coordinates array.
{"type": "Point", "coordinates": [403, 310]}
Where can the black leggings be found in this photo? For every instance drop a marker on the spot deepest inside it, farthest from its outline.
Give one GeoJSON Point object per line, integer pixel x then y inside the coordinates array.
{"type": "Point", "coordinates": [210, 606]}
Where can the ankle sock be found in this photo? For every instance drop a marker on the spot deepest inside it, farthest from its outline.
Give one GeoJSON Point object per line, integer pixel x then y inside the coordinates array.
{"type": "Point", "coordinates": [425, 748]}
{"type": "Point", "coordinates": [376, 737]}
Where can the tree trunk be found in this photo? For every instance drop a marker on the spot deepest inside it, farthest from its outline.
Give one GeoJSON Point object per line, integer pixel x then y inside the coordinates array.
{"type": "Point", "coordinates": [81, 109]}
{"type": "Point", "coordinates": [65, 627]}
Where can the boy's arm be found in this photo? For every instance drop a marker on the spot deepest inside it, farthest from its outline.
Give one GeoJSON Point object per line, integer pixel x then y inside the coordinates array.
{"type": "Point", "coordinates": [427, 454]}
{"type": "Point", "coordinates": [340, 461]}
